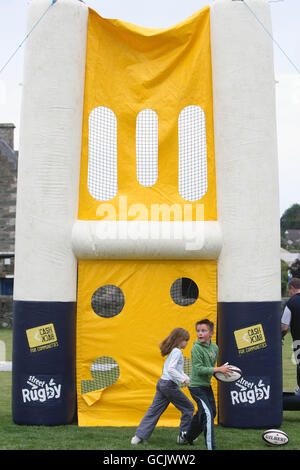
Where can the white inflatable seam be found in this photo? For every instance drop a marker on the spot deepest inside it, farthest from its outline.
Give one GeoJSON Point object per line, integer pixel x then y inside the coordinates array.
{"type": "Point", "coordinates": [146, 239]}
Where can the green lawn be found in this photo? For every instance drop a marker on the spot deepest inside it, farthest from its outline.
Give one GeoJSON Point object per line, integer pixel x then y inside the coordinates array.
{"type": "Point", "coordinates": [72, 437]}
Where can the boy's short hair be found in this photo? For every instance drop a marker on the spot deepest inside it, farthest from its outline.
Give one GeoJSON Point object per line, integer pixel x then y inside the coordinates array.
{"type": "Point", "coordinates": [207, 322]}
{"type": "Point", "coordinates": [294, 282]}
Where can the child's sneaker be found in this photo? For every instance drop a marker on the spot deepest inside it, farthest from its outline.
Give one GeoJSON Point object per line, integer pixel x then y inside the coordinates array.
{"type": "Point", "coordinates": [136, 440]}
{"type": "Point", "coordinates": [181, 439]}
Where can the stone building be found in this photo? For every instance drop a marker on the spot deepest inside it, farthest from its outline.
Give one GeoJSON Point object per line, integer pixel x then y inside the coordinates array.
{"type": "Point", "coordinates": [292, 238]}
{"type": "Point", "coordinates": [8, 191]}
{"type": "Point", "coordinates": [8, 188]}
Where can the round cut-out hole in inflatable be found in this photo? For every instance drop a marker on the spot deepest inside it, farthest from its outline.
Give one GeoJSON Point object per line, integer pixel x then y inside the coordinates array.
{"type": "Point", "coordinates": [105, 372]}
{"type": "Point", "coordinates": [184, 291]}
{"type": "Point", "coordinates": [108, 301]}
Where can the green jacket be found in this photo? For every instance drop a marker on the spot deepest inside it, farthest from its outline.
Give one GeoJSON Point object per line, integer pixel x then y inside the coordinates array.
{"type": "Point", "coordinates": [204, 357]}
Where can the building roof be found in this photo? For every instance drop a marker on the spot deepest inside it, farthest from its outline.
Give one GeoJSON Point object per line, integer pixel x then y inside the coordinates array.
{"type": "Point", "coordinates": [293, 235]}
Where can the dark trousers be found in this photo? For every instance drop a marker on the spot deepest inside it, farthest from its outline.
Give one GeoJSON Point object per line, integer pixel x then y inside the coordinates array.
{"type": "Point", "coordinates": [166, 392]}
{"type": "Point", "coordinates": [298, 373]}
{"type": "Point", "coordinates": [203, 420]}
{"type": "Point", "coordinates": [296, 350]}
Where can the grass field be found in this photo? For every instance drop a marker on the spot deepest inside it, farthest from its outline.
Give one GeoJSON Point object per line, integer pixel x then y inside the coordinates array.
{"type": "Point", "coordinates": [71, 437]}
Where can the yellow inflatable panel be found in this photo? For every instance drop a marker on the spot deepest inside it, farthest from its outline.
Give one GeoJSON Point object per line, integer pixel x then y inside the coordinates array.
{"type": "Point", "coordinates": [124, 345]}
{"type": "Point", "coordinates": [127, 307]}
{"type": "Point", "coordinates": [130, 69]}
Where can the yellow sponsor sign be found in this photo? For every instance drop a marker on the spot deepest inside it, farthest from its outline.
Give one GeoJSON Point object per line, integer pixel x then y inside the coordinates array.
{"type": "Point", "coordinates": [250, 338]}
{"type": "Point", "coordinates": [42, 337]}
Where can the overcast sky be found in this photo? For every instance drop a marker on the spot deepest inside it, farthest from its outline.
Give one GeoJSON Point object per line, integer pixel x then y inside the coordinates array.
{"type": "Point", "coordinates": [164, 13]}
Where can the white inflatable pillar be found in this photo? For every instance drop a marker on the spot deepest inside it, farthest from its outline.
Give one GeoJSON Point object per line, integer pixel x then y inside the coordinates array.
{"type": "Point", "coordinates": [47, 204]}
{"type": "Point", "coordinates": [249, 291]}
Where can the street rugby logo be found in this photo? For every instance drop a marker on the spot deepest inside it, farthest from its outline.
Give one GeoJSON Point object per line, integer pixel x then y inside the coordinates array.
{"type": "Point", "coordinates": [42, 337]}
{"type": "Point", "coordinates": [251, 391]}
{"type": "Point", "coordinates": [41, 389]}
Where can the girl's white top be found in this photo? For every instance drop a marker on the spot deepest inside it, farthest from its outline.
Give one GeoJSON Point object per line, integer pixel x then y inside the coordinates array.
{"type": "Point", "coordinates": [173, 367]}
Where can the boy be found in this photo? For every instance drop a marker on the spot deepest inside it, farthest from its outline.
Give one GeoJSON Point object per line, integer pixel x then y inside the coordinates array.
{"type": "Point", "coordinates": [291, 319]}
{"type": "Point", "coordinates": [204, 357]}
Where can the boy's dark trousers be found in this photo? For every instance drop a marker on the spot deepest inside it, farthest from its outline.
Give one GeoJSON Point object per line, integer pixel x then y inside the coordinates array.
{"type": "Point", "coordinates": [203, 420]}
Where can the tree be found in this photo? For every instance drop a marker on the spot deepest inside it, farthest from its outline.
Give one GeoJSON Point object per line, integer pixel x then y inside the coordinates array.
{"type": "Point", "coordinates": [284, 277]}
{"type": "Point", "coordinates": [290, 219]}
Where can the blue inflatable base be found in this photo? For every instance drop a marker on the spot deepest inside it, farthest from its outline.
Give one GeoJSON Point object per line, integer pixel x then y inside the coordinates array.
{"type": "Point", "coordinates": [249, 336]}
{"type": "Point", "coordinates": [43, 374]}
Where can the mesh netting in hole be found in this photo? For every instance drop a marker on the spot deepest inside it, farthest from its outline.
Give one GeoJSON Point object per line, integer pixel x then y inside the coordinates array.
{"type": "Point", "coordinates": [102, 163]}
{"type": "Point", "coordinates": [147, 147]}
{"type": "Point", "coordinates": [108, 301]}
{"type": "Point", "coordinates": [187, 369]}
{"type": "Point", "coordinates": [105, 372]}
{"type": "Point", "coordinates": [192, 153]}
{"type": "Point", "coordinates": [184, 291]}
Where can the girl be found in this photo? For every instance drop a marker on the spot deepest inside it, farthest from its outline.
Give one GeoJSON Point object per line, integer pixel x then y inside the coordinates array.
{"type": "Point", "coordinates": [167, 389]}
